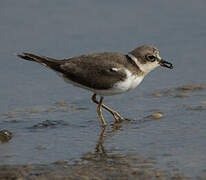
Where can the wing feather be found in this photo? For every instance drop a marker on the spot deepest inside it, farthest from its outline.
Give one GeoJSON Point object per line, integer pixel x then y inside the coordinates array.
{"type": "Point", "coordinates": [93, 73]}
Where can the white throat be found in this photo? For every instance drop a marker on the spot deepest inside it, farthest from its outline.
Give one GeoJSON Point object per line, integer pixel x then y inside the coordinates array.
{"type": "Point", "coordinates": [144, 67]}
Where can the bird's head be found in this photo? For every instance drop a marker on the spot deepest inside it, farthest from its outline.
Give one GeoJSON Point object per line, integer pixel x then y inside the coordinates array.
{"type": "Point", "coordinates": [147, 58]}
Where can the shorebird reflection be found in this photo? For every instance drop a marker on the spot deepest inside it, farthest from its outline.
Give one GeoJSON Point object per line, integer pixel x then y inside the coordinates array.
{"type": "Point", "coordinates": [100, 143]}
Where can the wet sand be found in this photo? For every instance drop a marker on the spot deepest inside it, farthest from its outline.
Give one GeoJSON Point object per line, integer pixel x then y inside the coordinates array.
{"type": "Point", "coordinates": [96, 165]}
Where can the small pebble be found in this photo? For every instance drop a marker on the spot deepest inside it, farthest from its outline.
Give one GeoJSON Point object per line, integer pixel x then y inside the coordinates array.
{"type": "Point", "coordinates": [5, 135]}
{"type": "Point", "coordinates": [156, 116]}
{"type": "Point", "coordinates": [61, 103]}
{"type": "Point", "coordinates": [157, 174]}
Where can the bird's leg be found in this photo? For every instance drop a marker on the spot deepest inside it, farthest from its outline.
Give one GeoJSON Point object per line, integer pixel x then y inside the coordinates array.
{"type": "Point", "coordinates": [99, 111]}
{"type": "Point", "coordinates": [116, 115]}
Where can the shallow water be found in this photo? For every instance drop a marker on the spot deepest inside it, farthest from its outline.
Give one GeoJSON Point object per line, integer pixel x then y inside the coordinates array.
{"type": "Point", "coordinates": [46, 131]}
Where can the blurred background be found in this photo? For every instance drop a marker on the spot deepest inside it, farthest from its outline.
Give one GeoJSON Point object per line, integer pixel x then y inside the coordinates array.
{"type": "Point", "coordinates": [65, 28]}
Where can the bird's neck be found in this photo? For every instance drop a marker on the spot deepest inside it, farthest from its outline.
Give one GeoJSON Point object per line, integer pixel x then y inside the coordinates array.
{"type": "Point", "coordinates": [135, 62]}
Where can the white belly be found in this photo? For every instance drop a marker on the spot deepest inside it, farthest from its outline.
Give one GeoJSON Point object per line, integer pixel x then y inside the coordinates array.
{"type": "Point", "coordinates": [129, 83]}
{"type": "Point", "coordinates": [121, 87]}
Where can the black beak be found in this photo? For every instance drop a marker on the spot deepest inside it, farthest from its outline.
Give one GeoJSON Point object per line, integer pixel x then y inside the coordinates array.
{"type": "Point", "coordinates": [165, 64]}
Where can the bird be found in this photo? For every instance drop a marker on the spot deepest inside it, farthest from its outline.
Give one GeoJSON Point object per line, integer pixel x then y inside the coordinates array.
{"type": "Point", "coordinates": [105, 73]}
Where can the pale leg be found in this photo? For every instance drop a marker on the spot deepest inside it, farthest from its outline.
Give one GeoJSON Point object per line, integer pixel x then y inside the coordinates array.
{"type": "Point", "coordinates": [99, 111]}
{"type": "Point", "coordinates": [117, 117]}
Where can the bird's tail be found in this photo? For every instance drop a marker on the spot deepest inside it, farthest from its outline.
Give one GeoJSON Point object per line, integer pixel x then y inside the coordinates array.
{"type": "Point", "coordinates": [39, 59]}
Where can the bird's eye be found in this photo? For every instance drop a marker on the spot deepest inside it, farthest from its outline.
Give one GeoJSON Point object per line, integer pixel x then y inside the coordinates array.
{"type": "Point", "coordinates": [150, 58]}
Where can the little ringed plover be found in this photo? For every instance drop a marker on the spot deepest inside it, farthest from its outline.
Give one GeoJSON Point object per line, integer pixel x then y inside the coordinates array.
{"type": "Point", "coordinates": [105, 74]}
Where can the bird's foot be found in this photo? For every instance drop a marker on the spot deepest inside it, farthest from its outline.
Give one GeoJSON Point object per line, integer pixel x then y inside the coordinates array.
{"type": "Point", "coordinates": [117, 117]}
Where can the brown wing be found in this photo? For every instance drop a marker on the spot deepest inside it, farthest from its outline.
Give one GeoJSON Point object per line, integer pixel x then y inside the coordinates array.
{"type": "Point", "coordinates": [94, 71]}
{"type": "Point", "coordinates": [98, 70]}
